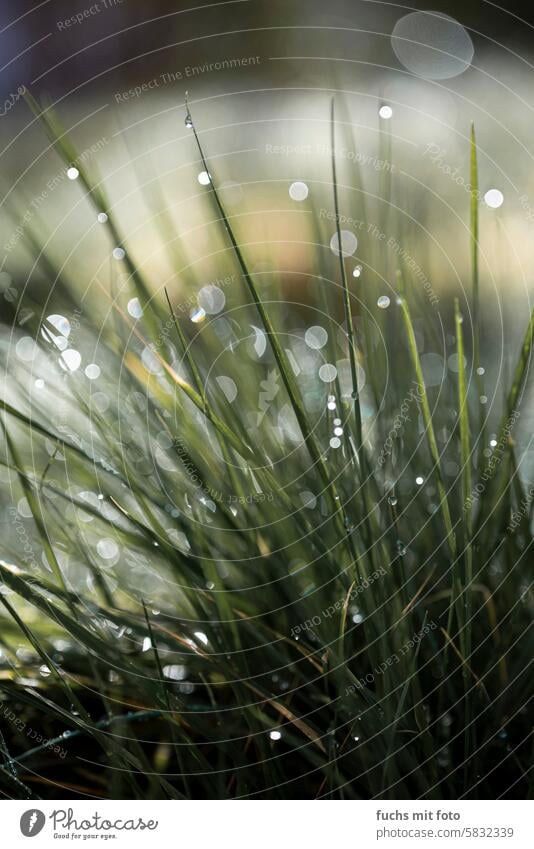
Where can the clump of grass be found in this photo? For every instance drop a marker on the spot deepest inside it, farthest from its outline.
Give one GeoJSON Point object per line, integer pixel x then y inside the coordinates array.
{"type": "Point", "coordinates": [228, 580]}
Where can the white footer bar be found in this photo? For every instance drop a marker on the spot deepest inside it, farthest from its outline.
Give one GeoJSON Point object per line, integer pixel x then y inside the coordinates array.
{"type": "Point", "coordinates": [268, 824]}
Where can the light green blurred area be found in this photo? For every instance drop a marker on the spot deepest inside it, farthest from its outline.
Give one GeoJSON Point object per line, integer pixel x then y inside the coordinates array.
{"type": "Point", "coordinates": [264, 123]}
{"type": "Point", "coordinates": [263, 141]}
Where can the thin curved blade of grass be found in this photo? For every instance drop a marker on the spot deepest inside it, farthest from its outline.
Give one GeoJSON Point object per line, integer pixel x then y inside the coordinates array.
{"type": "Point", "coordinates": [42, 653]}
{"type": "Point", "coordinates": [16, 786]}
{"type": "Point", "coordinates": [90, 640]}
{"type": "Point", "coordinates": [103, 723]}
{"type": "Point", "coordinates": [346, 299]}
{"type": "Point", "coordinates": [427, 420]}
{"type": "Point", "coordinates": [475, 288]}
{"type": "Point", "coordinates": [8, 763]}
{"type": "Point", "coordinates": [279, 355]}
{"type": "Point", "coordinates": [464, 612]}
{"type": "Point", "coordinates": [61, 142]}
{"type": "Point", "coordinates": [372, 533]}
{"type": "Point", "coordinates": [186, 352]}
{"type": "Point", "coordinates": [163, 687]}
{"type": "Point", "coordinates": [462, 597]}
{"type": "Point", "coordinates": [389, 763]}
{"type": "Point", "coordinates": [492, 498]}
{"type": "Point", "coordinates": [191, 393]}
{"type": "Point", "coordinates": [34, 504]}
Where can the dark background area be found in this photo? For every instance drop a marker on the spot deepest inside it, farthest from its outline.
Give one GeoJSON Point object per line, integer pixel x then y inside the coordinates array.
{"type": "Point", "coordinates": [112, 43]}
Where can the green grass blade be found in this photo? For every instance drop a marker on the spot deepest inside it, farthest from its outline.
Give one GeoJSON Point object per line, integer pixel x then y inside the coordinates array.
{"type": "Point", "coordinates": [462, 596]}
{"type": "Point", "coordinates": [427, 420]}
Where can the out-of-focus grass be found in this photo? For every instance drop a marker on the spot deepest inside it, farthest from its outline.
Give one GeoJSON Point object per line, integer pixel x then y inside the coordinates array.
{"type": "Point", "coordinates": [230, 576]}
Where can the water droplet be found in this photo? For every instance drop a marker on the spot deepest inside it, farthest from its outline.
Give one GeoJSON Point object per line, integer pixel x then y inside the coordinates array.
{"type": "Point", "coordinates": [197, 315]}
{"type": "Point", "coordinates": [44, 671]}
{"type": "Point", "coordinates": [454, 363]}
{"type": "Point", "coordinates": [275, 735]}
{"type": "Point", "coordinates": [119, 253]}
{"type": "Point", "coordinates": [101, 218]}
{"type": "Point", "coordinates": [392, 499]}
{"type": "Point", "coordinates": [151, 362]}
{"type": "Point", "coordinates": [204, 178]}
{"type": "Point", "coordinates": [134, 308]}
{"type": "Point", "coordinates": [260, 341]}
{"type": "Point", "coordinates": [494, 198]}
{"type": "Point", "coordinates": [383, 302]}
{"type": "Point", "coordinates": [179, 539]}
{"type": "Point", "coordinates": [73, 173]}
{"type": "Point", "coordinates": [61, 324]}
{"type": "Point", "coordinates": [298, 191]}
{"type": "Point", "coordinates": [201, 637]}
{"type": "Point", "coordinates": [229, 388]}
{"type": "Point", "coordinates": [70, 360]}
{"type": "Point", "coordinates": [308, 499]}
{"type": "Point", "coordinates": [188, 122]}
{"type": "Point", "coordinates": [327, 373]}
{"type": "Point", "coordinates": [419, 480]}
{"type": "Point", "coordinates": [401, 548]}
{"type": "Point", "coordinates": [357, 271]}
{"type": "Point", "coordinates": [175, 671]}
{"type": "Point", "coordinates": [338, 431]}
{"type": "Point", "coordinates": [26, 349]}
{"type": "Point", "coordinates": [483, 399]}
{"type": "Point", "coordinates": [481, 370]}
{"type": "Point", "coordinates": [100, 401]}
{"type": "Point", "coordinates": [385, 112]}
{"type": "Point", "coordinates": [211, 299]}
{"type": "Point", "coordinates": [432, 45]}
{"type": "Point", "coordinates": [349, 243]}
{"type": "Point", "coordinates": [316, 337]}
{"type": "Point", "coordinates": [92, 371]}
{"type": "Point", "coordinates": [107, 549]}
{"type": "Point", "coordinates": [39, 383]}
{"type": "Point", "coordinates": [434, 371]}
{"type": "Point", "coordinates": [24, 509]}
{"type": "Point", "coordinates": [335, 442]}
{"type": "Point", "coordinates": [147, 644]}
{"type": "Point", "coordinates": [443, 758]}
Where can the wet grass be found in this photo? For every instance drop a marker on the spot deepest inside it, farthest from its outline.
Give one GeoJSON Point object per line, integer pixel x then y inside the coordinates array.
{"type": "Point", "coordinates": [214, 589]}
